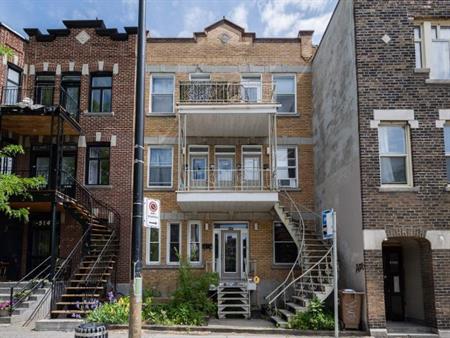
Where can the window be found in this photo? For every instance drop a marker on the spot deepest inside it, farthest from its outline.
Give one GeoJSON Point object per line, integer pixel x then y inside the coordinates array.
{"type": "Point", "coordinates": [440, 52]}
{"type": "Point", "coordinates": [98, 164]}
{"type": "Point", "coordinates": [251, 88]}
{"type": "Point", "coordinates": [44, 89]}
{"type": "Point", "coordinates": [285, 91]}
{"type": "Point", "coordinates": [70, 93]}
{"type": "Point", "coordinates": [287, 167]}
{"type": "Point", "coordinates": [447, 149]}
{"type": "Point", "coordinates": [285, 250]}
{"type": "Point", "coordinates": [101, 94]}
{"type": "Point", "coordinates": [153, 255]}
{"type": "Point", "coordinates": [200, 77]}
{"type": "Point", "coordinates": [160, 167]}
{"type": "Point", "coordinates": [11, 92]}
{"type": "Point", "coordinates": [6, 165]}
{"type": "Point", "coordinates": [394, 154]}
{"type": "Point", "coordinates": [162, 94]}
{"type": "Point", "coordinates": [418, 45]}
{"type": "Point", "coordinates": [173, 243]}
{"type": "Point", "coordinates": [195, 242]}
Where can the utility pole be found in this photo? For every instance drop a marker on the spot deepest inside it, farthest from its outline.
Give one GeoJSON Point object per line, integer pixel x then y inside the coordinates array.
{"type": "Point", "coordinates": [135, 322]}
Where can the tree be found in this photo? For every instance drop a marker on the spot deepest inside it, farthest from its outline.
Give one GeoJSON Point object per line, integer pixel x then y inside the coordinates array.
{"type": "Point", "coordinates": [5, 50]}
{"type": "Point", "coordinates": [13, 185]}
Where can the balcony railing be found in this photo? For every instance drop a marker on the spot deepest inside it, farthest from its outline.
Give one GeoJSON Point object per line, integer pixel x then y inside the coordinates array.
{"type": "Point", "coordinates": [194, 92]}
{"type": "Point", "coordinates": [42, 95]}
{"type": "Point", "coordinates": [247, 179]}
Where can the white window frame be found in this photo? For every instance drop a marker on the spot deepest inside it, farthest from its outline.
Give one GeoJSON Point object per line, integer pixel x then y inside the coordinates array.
{"type": "Point", "coordinates": [258, 150]}
{"type": "Point", "coordinates": [421, 49]}
{"type": "Point", "coordinates": [274, 262]}
{"type": "Point", "coordinates": [199, 154]}
{"type": "Point", "coordinates": [274, 75]}
{"type": "Point", "coordinates": [248, 84]}
{"type": "Point", "coordinates": [192, 78]}
{"type": "Point", "coordinates": [408, 157]}
{"type": "Point", "coordinates": [148, 167]}
{"type": "Point", "coordinates": [447, 154]}
{"type": "Point", "coordinates": [149, 262]}
{"type": "Point", "coordinates": [168, 261]}
{"type": "Point", "coordinates": [200, 227]}
{"type": "Point", "coordinates": [296, 167]}
{"type": "Point", "coordinates": [162, 75]}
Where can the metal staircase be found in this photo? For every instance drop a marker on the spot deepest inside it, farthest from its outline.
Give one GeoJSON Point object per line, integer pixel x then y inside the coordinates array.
{"type": "Point", "coordinates": [312, 273]}
{"type": "Point", "coordinates": [233, 299]}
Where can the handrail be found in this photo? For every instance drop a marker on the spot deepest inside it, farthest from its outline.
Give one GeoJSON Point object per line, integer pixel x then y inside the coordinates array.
{"type": "Point", "coordinates": [305, 273]}
{"type": "Point", "coordinates": [32, 271]}
{"type": "Point", "coordinates": [299, 255]}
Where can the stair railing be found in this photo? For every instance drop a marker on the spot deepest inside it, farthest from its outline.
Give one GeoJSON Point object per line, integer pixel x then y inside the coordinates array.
{"type": "Point", "coordinates": [39, 276]}
{"type": "Point", "coordinates": [280, 290]}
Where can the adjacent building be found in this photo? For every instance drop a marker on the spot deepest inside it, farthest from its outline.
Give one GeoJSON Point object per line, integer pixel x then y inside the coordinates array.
{"type": "Point", "coordinates": [381, 137]}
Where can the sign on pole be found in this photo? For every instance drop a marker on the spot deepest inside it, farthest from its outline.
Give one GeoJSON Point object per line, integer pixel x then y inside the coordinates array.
{"type": "Point", "coordinates": [328, 217]}
{"type": "Point", "coordinates": [152, 212]}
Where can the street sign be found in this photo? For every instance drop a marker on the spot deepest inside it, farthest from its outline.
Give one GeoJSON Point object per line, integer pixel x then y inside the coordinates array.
{"type": "Point", "coordinates": [152, 212]}
{"type": "Point", "coordinates": [328, 219]}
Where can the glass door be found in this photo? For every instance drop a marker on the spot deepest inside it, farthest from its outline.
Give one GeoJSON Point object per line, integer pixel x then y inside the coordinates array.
{"type": "Point", "coordinates": [42, 167]}
{"type": "Point", "coordinates": [198, 172]}
{"type": "Point", "coordinates": [231, 255]}
{"type": "Point", "coordinates": [70, 95]}
{"type": "Point", "coordinates": [68, 171]}
{"type": "Point", "coordinates": [225, 173]}
{"type": "Point", "coordinates": [251, 175]}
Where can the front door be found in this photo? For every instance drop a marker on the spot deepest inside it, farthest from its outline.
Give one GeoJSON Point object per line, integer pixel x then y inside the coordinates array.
{"type": "Point", "coordinates": [231, 255]}
{"type": "Point", "coordinates": [393, 283]}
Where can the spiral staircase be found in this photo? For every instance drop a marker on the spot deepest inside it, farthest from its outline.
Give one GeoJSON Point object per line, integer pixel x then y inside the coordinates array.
{"type": "Point", "coordinates": [311, 276]}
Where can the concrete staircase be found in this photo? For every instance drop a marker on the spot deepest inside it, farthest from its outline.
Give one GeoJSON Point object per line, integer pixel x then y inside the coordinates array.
{"type": "Point", "coordinates": [311, 276]}
{"type": "Point", "coordinates": [23, 311]}
{"type": "Point", "coordinates": [233, 300]}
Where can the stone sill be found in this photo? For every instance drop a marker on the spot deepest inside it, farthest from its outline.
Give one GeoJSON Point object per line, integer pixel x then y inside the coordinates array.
{"type": "Point", "coordinates": [422, 70]}
{"type": "Point", "coordinates": [160, 114]}
{"type": "Point", "coordinates": [398, 189]}
{"type": "Point", "coordinates": [90, 186]}
{"type": "Point", "coordinates": [287, 114]}
{"type": "Point", "coordinates": [170, 267]}
{"type": "Point", "coordinates": [99, 114]}
{"type": "Point", "coordinates": [435, 81]}
{"type": "Point", "coordinates": [168, 189]}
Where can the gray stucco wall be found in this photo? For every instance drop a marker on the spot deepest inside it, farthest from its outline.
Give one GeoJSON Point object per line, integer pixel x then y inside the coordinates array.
{"type": "Point", "coordinates": [336, 141]}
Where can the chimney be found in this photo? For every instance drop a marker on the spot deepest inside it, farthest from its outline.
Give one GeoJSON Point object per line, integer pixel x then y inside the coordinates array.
{"type": "Point", "coordinates": [306, 44]}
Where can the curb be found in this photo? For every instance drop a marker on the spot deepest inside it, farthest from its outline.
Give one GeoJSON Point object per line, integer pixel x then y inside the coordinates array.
{"type": "Point", "coordinates": [237, 329]}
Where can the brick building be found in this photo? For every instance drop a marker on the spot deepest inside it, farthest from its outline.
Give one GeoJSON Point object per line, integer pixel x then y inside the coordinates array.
{"type": "Point", "coordinates": [68, 99]}
{"type": "Point", "coordinates": [381, 136]}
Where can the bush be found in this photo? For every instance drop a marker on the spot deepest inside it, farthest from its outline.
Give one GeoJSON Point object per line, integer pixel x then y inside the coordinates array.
{"type": "Point", "coordinates": [115, 312]}
{"type": "Point", "coordinates": [314, 318]}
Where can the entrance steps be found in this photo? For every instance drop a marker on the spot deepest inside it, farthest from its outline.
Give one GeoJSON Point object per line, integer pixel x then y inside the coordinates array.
{"type": "Point", "coordinates": [233, 300]}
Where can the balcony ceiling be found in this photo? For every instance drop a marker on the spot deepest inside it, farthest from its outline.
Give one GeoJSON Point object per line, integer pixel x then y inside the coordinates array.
{"type": "Point", "coordinates": [34, 125]}
{"type": "Point", "coordinates": [207, 201]}
{"type": "Point", "coordinates": [231, 120]}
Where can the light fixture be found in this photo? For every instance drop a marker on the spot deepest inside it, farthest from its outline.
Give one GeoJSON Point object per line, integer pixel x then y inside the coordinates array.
{"type": "Point", "coordinates": [206, 226]}
{"type": "Point", "coordinates": [256, 226]}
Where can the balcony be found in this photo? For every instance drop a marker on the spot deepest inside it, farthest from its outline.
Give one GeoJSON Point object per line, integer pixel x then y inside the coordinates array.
{"type": "Point", "coordinates": [216, 190]}
{"type": "Point", "coordinates": [221, 109]}
{"type": "Point", "coordinates": [31, 111]}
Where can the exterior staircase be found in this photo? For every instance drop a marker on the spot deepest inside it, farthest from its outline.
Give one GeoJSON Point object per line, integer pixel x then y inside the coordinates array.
{"type": "Point", "coordinates": [311, 276]}
{"type": "Point", "coordinates": [233, 299]}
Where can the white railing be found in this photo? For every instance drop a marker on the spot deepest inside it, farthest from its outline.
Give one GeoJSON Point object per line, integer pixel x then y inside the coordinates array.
{"type": "Point", "coordinates": [247, 179]}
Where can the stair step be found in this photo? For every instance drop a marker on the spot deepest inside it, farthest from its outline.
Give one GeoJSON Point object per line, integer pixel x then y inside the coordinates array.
{"type": "Point", "coordinates": [84, 281]}
{"type": "Point", "coordinates": [69, 312]}
{"type": "Point", "coordinates": [296, 307]}
{"type": "Point", "coordinates": [286, 313]}
{"type": "Point", "coordinates": [75, 303]}
{"type": "Point", "coordinates": [80, 295]}
{"type": "Point", "coordinates": [84, 288]}
{"type": "Point", "coordinates": [279, 321]}
{"type": "Point", "coordinates": [93, 274]}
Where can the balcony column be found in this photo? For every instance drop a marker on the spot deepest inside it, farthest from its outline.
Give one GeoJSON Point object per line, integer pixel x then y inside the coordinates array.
{"type": "Point", "coordinates": [273, 144]}
{"type": "Point", "coordinates": [182, 152]}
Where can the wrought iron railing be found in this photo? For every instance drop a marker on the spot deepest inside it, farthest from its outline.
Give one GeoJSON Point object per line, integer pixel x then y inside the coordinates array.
{"type": "Point", "coordinates": [40, 95]}
{"type": "Point", "coordinates": [225, 92]}
{"type": "Point", "coordinates": [249, 179]}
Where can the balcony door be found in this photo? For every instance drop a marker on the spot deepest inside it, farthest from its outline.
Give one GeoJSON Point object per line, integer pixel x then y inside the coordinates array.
{"type": "Point", "coordinates": [251, 168]}
{"type": "Point", "coordinates": [225, 172]}
{"type": "Point", "coordinates": [198, 167]}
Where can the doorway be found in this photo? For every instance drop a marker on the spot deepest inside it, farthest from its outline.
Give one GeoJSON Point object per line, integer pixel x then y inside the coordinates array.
{"type": "Point", "coordinates": [393, 283]}
{"type": "Point", "coordinates": [231, 248]}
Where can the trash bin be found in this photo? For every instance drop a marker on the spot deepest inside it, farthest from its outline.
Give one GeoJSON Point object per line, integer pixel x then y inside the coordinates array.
{"type": "Point", "coordinates": [91, 330]}
{"type": "Point", "coordinates": [350, 310]}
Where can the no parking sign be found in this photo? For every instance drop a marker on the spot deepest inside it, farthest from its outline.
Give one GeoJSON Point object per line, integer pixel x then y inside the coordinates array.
{"type": "Point", "coordinates": [152, 211]}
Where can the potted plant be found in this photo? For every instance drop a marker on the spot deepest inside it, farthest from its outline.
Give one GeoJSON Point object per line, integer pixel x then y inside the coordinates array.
{"type": "Point", "coordinates": [22, 295]}
{"type": "Point", "coordinates": [4, 308]}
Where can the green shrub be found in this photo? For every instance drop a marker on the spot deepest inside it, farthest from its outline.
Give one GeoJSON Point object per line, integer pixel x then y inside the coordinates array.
{"type": "Point", "coordinates": [314, 318]}
{"type": "Point", "coordinates": [116, 312]}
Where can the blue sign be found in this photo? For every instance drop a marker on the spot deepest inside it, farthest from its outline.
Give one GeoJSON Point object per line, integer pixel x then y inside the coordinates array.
{"type": "Point", "coordinates": [328, 220]}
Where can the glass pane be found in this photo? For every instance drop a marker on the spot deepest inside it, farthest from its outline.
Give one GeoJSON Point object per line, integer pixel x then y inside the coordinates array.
{"type": "Point", "coordinates": [94, 152]}
{"type": "Point", "coordinates": [160, 176]}
{"type": "Point", "coordinates": [285, 252]}
{"type": "Point", "coordinates": [162, 85]}
{"type": "Point", "coordinates": [447, 139]}
{"type": "Point", "coordinates": [434, 32]}
{"type": "Point", "coordinates": [13, 76]}
{"type": "Point", "coordinates": [287, 103]}
{"type": "Point", "coordinates": [445, 33]}
{"type": "Point", "coordinates": [101, 81]}
{"type": "Point", "coordinates": [68, 167]}
{"type": "Point", "coordinates": [162, 103]}
{"type": "Point", "coordinates": [282, 157]}
{"type": "Point", "coordinates": [42, 167]}
{"type": "Point", "coordinates": [417, 32]}
{"type": "Point", "coordinates": [200, 77]}
{"type": "Point", "coordinates": [154, 235]}
{"type": "Point", "coordinates": [392, 139]}
{"type": "Point", "coordinates": [284, 85]}
{"type": "Point", "coordinates": [161, 156]}
{"type": "Point", "coordinates": [418, 54]}
{"type": "Point", "coordinates": [175, 233]}
{"type": "Point", "coordinates": [70, 99]}
{"type": "Point", "coordinates": [95, 100]}
{"type": "Point", "coordinates": [195, 252]}
{"type": "Point", "coordinates": [154, 252]}
{"type": "Point", "coordinates": [195, 233]}
{"type": "Point", "coordinates": [199, 169]}
{"type": "Point", "coordinates": [251, 94]}
{"type": "Point", "coordinates": [104, 171]}
{"type": "Point", "coordinates": [174, 252]}
{"type": "Point", "coordinates": [281, 233]}
{"type": "Point", "coordinates": [393, 170]}
{"type": "Point", "coordinates": [447, 159]}
{"type": "Point", "coordinates": [440, 60]}
{"type": "Point", "coordinates": [92, 173]}
{"type": "Point", "coordinates": [106, 100]}
{"type": "Point", "coordinates": [230, 254]}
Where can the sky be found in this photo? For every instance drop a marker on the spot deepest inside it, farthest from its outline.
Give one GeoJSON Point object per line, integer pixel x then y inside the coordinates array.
{"type": "Point", "coordinates": [176, 18]}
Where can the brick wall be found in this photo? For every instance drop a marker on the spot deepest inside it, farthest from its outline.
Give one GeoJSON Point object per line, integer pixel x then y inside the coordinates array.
{"type": "Point", "coordinates": [17, 44]}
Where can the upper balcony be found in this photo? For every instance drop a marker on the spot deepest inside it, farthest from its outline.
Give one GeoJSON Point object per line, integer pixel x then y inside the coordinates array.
{"type": "Point", "coordinates": [226, 109]}
{"type": "Point", "coordinates": [42, 110]}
